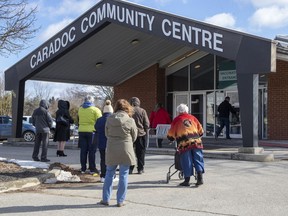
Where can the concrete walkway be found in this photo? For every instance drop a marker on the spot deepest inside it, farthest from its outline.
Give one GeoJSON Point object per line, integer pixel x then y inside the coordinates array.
{"type": "Point", "coordinates": [231, 187]}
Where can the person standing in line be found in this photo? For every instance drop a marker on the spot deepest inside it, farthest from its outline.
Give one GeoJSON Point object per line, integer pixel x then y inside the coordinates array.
{"type": "Point", "coordinates": [102, 139]}
{"type": "Point", "coordinates": [224, 110]}
{"type": "Point", "coordinates": [121, 132]}
{"type": "Point", "coordinates": [142, 123]}
{"type": "Point", "coordinates": [187, 131]}
{"type": "Point", "coordinates": [88, 115]}
{"type": "Point", "coordinates": [62, 132]}
{"type": "Point", "coordinates": [42, 121]}
{"type": "Point", "coordinates": [159, 116]}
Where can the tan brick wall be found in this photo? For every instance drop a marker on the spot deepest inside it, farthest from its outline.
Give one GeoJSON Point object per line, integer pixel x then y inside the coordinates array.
{"type": "Point", "coordinates": [278, 102]}
{"type": "Point", "coordinates": [148, 86]}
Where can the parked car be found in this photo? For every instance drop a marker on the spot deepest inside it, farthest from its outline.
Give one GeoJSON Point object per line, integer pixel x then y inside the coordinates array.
{"type": "Point", "coordinates": [28, 130]}
{"type": "Point", "coordinates": [28, 119]}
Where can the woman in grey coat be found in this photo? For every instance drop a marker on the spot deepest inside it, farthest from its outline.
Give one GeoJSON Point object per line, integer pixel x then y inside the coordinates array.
{"type": "Point", "coordinates": [121, 132]}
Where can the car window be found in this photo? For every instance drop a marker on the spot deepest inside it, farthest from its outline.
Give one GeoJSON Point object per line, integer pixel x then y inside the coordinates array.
{"type": "Point", "coordinates": [6, 120]}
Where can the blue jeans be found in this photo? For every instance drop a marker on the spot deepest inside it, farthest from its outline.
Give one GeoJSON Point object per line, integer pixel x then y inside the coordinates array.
{"type": "Point", "coordinates": [122, 184]}
{"type": "Point", "coordinates": [87, 148]}
{"type": "Point", "coordinates": [192, 158]}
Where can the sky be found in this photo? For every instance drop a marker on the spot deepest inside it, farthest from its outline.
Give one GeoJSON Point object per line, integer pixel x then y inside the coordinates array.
{"type": "Point", "coordinates": [264, 18]}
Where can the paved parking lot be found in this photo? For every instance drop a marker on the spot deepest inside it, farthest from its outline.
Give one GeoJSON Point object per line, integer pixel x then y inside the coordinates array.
{"type": "Point", "coordinates": [230, 188]}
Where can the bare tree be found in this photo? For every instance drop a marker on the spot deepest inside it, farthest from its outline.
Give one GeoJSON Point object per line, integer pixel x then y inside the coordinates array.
{"type": "Point", "coordinates": [41, 90]}
{"type": "Point", "coordinates": [5, 98]}
{"type": "Point", "coordinates": [32, 98]}
{"type": "Point", "coordinates": [16, 25]}
{"type": "Point", "coordinates": [101, 93]}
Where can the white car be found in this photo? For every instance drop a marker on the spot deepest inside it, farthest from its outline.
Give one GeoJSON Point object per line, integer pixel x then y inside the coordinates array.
{"type": "Point", "coordinates": [28, 119]}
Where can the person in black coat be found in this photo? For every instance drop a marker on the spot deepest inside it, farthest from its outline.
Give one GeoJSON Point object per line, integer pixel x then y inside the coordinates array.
{"type": "Point", "coordinates": [224, 110]}
{"type": "Point", "coordinates": [63, 121]}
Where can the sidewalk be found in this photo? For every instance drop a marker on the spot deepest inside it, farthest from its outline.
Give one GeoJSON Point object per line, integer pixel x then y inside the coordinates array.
{"type": "Point", "coordinates": [217, 149]}
{"type": "Point", "coordinates": [230, 188]}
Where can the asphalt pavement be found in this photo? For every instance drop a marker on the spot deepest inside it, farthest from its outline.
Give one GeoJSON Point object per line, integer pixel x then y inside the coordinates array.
{"type": "Point", "coordinates": [231, 187]}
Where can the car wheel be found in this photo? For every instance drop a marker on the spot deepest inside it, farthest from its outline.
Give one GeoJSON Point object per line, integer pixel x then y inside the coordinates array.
{"type": "Point", "coordinates": [52, 134]}
{"type": "Point", "coordinates": [29, 136]}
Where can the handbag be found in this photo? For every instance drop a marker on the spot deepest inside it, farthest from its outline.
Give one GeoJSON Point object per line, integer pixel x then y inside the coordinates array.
{"type": "Point", "coordinates": [62, 121]}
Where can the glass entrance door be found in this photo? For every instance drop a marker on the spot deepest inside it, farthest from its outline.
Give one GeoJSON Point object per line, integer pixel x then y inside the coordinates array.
{"type": "Point", "coordinates": [178, 99]}
{"type": "Point", "coordinates": [197, 104]}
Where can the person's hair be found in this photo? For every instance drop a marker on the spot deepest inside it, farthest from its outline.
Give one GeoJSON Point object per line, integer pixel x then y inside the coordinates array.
{"type": "Point", "coordinates": [182, 108]}
{"type": "Point", "coordinates": [123, 105]}
{"type": "Point", "coordinates": [227, 98]}
{"type": "Point", "coordinates": [159, 105]}
{"type": "Point", "coordinates": [89, 98]}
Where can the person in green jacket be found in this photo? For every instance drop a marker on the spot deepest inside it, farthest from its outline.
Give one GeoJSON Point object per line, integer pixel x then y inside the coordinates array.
{"type": "Point", "coordinates": [88, 115]}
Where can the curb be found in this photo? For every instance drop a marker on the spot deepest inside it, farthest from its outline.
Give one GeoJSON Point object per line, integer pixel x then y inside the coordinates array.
{"type": "Point", "coordinates": [228, 155]}
{"type": "Point", "coordinates": [24, 183]}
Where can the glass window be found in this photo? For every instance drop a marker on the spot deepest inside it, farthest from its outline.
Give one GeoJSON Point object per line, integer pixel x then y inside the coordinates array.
{"type": "Point", "coordinates": [226, 73]}
{"type": "Point", "coordinates": [202, 73]}
{"type": "Point", "coordinates": [178, 81]}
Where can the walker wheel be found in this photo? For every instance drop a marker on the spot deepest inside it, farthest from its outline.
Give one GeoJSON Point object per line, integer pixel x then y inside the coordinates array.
{"type": "Point", "coordinates": [181, 175]}
{"type": "Point", "coordinates": [168, 177]}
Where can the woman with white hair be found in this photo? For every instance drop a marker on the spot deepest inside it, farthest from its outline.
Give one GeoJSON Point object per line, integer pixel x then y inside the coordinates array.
{"type": "Point", "coordinates": [187, 131]}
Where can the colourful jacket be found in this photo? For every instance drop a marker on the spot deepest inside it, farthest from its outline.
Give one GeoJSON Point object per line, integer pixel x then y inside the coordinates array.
{"type": "Point", "coordinates": [187, 131]}
{"type": "Point", "coordinates": [88, 115]}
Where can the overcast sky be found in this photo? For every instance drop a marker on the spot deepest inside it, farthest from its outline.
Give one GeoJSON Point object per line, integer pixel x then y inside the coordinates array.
{"type": "Point", "coordinates": [264, 18]}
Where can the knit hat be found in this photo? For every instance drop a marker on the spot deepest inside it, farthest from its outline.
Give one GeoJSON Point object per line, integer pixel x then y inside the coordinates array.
{"type": "Point", "coordinates": [182, 108]}
{"type": "Point", "coordinates": [108, 108]}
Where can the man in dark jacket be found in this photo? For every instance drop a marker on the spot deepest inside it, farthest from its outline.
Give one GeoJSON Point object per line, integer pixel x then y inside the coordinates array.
{"type": "Point", "coordinates": [42, 121]}
{"type": "Point", "coordinates": [142, 122]}
{"type": "Point", "coordinates": [224, 110]}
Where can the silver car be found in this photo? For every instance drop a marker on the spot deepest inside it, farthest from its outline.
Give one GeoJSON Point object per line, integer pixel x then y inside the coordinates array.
{"type": "Point", "coordinates": [28, 130]}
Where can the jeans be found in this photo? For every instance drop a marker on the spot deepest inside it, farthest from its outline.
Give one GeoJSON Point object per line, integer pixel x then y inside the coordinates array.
{"type": "Point", "coordinates": [122, 184]}
{"type": "Point", "coordinates": [224, 122]}
{"type": "Point", "coordinates": [44, 138]}
{"type": "Point", "coordinates": [192, 158]}
{"type": "Point", "coordinates": [87, 148]}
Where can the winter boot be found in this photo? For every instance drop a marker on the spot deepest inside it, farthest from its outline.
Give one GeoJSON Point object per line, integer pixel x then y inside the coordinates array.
{"type": "Point", "coordinates": [199, 178]}
{"type": "Point", "coordinates": [186, 182]}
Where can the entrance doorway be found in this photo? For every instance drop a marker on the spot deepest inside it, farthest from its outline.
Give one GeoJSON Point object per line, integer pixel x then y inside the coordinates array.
{"type": "Point", "coordinates": [196, 103]}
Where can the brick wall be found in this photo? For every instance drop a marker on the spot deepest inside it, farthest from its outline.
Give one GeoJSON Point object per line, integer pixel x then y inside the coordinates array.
{"type": "Point", "coordinates": [278, 102]}
{"type": "Point", "coordinates": [148, 86]}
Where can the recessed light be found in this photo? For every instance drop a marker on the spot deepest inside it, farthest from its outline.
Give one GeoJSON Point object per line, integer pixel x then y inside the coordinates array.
{"type": "Point", "coordinates": [197, 66]}
{"type": "Point", "coordinates": [134, 42]}
{"type": "Point", "coordinates": [98, 64]}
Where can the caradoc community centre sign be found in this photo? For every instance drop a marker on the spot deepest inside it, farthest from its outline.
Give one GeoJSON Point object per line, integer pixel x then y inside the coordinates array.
{"type": "Point", "coordinates": [135, 18]}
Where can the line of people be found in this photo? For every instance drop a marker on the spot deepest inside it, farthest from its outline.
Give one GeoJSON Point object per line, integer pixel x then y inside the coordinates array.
{"type": "Point", "coordinates": [120, 136]}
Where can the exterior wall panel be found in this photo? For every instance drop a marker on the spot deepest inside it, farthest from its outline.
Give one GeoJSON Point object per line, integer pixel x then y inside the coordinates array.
{"type": "Point", "coordinates": [278, 102]}
{"type": "Point", "coordinates": [148, 86]}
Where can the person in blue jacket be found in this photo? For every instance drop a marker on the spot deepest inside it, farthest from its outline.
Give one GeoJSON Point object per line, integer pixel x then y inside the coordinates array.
{"type": "Point", "coordinates": [102, 139]}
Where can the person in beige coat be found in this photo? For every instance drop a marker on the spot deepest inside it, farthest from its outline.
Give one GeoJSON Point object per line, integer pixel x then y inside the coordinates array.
{"type": "Point", "coordinates": [121, 132]}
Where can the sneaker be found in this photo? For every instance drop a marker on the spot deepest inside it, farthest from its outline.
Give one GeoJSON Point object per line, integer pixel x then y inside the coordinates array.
{"type": "Point", "coordinates": [36, 159]}
{"type": "Point", "coordinates": [120, 204]}
{"type": "Point", "coordinates": [45, 160]}
{"type": "Point", "coordinates": [103, 203]}
{"type": "Point", "coordinates": [140, 171]}
{"type": "Point", "coordinates": [82, 171]}
{"type": "Point", "coordinates": [116, 179]}
{"type": "Point", "coordinates": [102, 179]}
{"type": "Point", "coordinates": [93, 171]}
